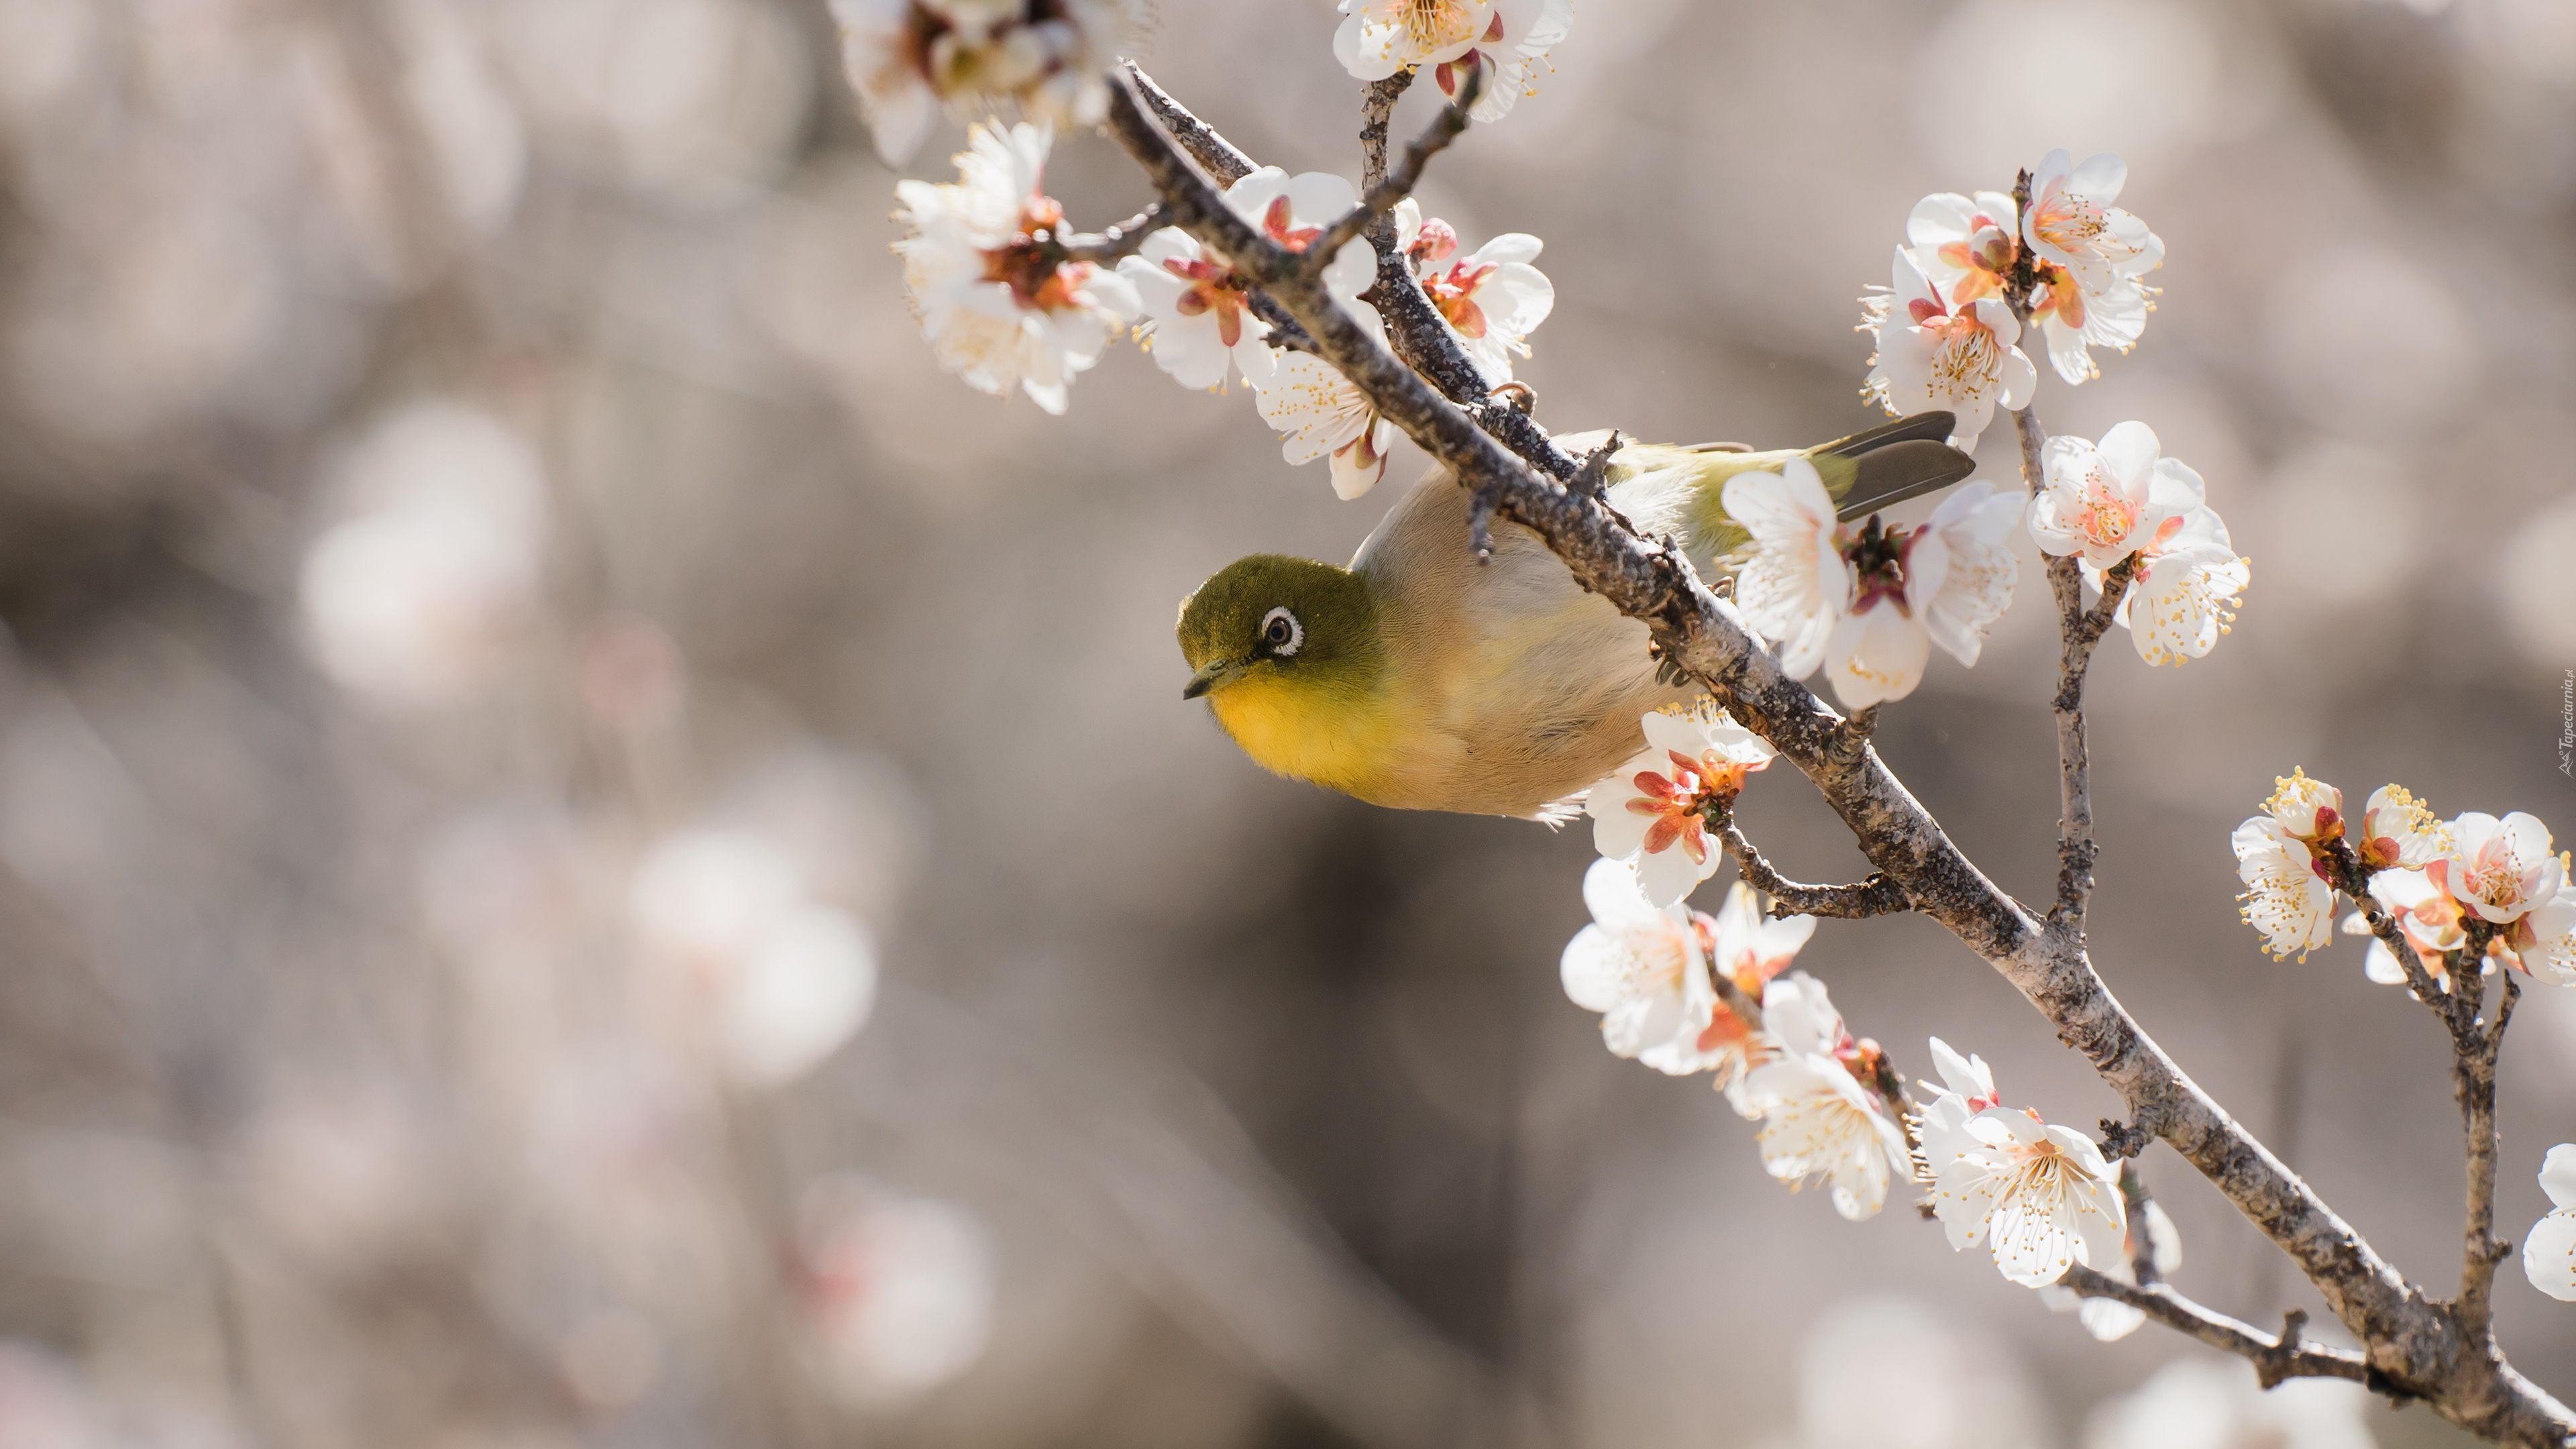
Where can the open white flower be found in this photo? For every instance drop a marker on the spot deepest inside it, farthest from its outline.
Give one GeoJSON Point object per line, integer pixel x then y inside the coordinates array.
{"type": "Point", "coordinates": [1492, 297]}
{"type": "Point", "coordinates": [1322, 414]}
{"type": "Point", "coordinates": [1818, 1119]}
{"type": "Point", "coordinates": [1750, 948]}
{"type": "Point", "coordinates": [2041, 1196]}
{"type": "Point", "coordinates": [1640, 966]}
{"type": "Point", "coordinates": [905, 57]}
{"type": "Point", "coordinates": [1199, 311]}
{"type": "Point", "coordinates": [1499, 42]}
{"type": "Point", "coordinates": [1942, 582]}
{"type": "Point", "coordinates": [2188, 583]}
{"type": "Point", "coordinates": [1294, 212]}
{"type": "Point", "coordinates": [2549, 1252]}
{"type": "Point", "coordinates": [2397, 830]}
{"type": "Point", "coordinates": [2072, 223]}
{"type": "Point", "coordinates": [984, 273]}
{"type": "Point", "coordinates": [2073, 321]}
{"type": "Point", "coordinates": [2498, 868]}
{"type": "Point", "coordinates": [2108, 1319]}
{"type": "Point", "coordinates": [2107, 500]}
{"type": "Point", "coordinates": [1933, 354]}
{"type": "Point", "coordinates": [2285, 898]}
{"type": "Point", "coordinates": [1796, 586]}
{"type": "Point", "coordinates": [2215, 1403]}
{"type": "Point", "coordinates": [1966, 245]}
{"type": "Point", "coordinates": [1647, 814]}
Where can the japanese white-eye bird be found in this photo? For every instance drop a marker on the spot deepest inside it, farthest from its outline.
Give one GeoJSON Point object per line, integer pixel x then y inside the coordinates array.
{"type": "Point", "coordinates": [1422, 678]}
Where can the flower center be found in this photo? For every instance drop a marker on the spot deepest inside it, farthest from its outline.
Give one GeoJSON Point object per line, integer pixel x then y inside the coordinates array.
{"type": "Point", "coordinates": [2494, 876]}
{"type": "Point", "coordinates": [1878, 557]}
{"type": "Point", "coordinates": [1032, 262]}
{"type": "Point", "coordinates": [1213, 287]}
{"type": "Point", "coordinates": [2068, 222]}
{"type": "Point", "coordinates": [2104, 516]}
{"type": "Point", "coordinates": [1454, 293]}
{"type": "Point", "coordinates": [1439, 24]}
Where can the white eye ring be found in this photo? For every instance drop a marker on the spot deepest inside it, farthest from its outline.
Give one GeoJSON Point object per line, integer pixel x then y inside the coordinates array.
{"type": "Point", "coordinates": [1270, 623]}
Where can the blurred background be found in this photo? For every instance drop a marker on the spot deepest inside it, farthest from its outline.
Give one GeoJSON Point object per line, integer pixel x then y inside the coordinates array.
{"type": "Point", "coordinates": [593, 851]}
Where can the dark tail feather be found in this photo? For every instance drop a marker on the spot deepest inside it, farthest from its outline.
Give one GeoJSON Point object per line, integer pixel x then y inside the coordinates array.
{"type": "Point", "coordinates": [1908, 468]}
{"type": "Point", "coordinates": [1933, 427]}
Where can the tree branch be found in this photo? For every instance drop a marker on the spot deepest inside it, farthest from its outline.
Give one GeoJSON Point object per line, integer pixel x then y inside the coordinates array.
{"type": "Point", "coordinates": [1213, 152]}
{"type": "Point", "coordinates": [2473, 1075]}
{"type": "Point", "coordinates": [2274, 1359]}
{"type": "Point", "coordinates": [2413, 1344]}
{"type": "Point", "coordinates": [1875, 896]}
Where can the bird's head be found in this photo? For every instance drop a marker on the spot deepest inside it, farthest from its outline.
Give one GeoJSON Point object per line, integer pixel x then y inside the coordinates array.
{"type": "Point", "coordinates": [1281, 629]}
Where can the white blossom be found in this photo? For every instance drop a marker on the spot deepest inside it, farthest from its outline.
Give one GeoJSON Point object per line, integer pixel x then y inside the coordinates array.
{"type": "Point", "coordinates": [1198, 311]}
{"type": "Point", "coordinates": [1795, 587]}
{"type": "Point", "coordinates": [2498, 868]}
{"type": "Point", "coordinates": [1499, 42]}
{"type": "Point", "coordinates": [2040, 1196]}
{"type": "Point", "coordinates": [1943, 582]}
{"type": "Point", "coordinates": [2549, 1252]}
{"type": "Point", "coordinates": [1322, 414]}
{"type": "Point", "coordinates": [2188, 582]}
{"type": "Point", "coordinates": [1957, 357]}
{"type": "Point", "coordinates": [2309, 811]}
{"type": "Point", "coordinates": [414, 597]}
{"type": "Point", "coordinates": [2285, 898]}
{"type": "Point", "coordinates": [895, 1294]}
{"type": "Point", "coordinates": [905, 57]}
{"type": "Point", "coordinates": [2397, 830]}
{"type": "Point", "coordinates": [1818, 1119]}
{"type": "Point", "coordinates": [2072, 223]}
{"type": "Point", "coordinates": [1294, 212]}
{"type": "Point", "coordinates": [984, 274]}
{"type": "Point", "coordinates": [1492, 297]}
{"type": "Point", "coordinates": [1640, 966]}
{"type": "Point", "coordinates": [1965, 245]}
{"type": "Point", "coordinates": [1748, 947]}
{"type": "Point", "coordinates": [2106, 500]}
{"type": "Point", "coordinates": [780, 980]}
{"type": "Point", "coordinates": [1647, 813]}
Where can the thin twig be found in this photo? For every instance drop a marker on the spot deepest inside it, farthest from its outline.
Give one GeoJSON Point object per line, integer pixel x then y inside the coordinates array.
{"type": "Point", "coordinates": [1110, 243]}
{"type": "Point", "coordinates": [2274, 1358]}
{"type": "Point", "coordinates": [1381, 196]}
{"type": "Point", "coordinates": [1876, 895]}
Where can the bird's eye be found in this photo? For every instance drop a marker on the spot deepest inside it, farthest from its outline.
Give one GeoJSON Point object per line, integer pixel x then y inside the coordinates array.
{"type": "Point", "coordinates": [1281, 633]}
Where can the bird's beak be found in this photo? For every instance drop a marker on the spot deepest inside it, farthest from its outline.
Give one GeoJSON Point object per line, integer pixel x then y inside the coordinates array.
{"type": "Point", "coordinates": [1210, 675]}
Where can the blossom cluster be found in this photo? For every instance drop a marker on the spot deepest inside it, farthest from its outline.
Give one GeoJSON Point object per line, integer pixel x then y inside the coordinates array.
{"type": "Point", "coordinates": [2040, 1196]}
{"type": "Point", "coordinates": [2436, 879]}
{"type": "Point", "coordinates": [1947, 334]}
{"type": "Point", "coordinates": [2120, 499]}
